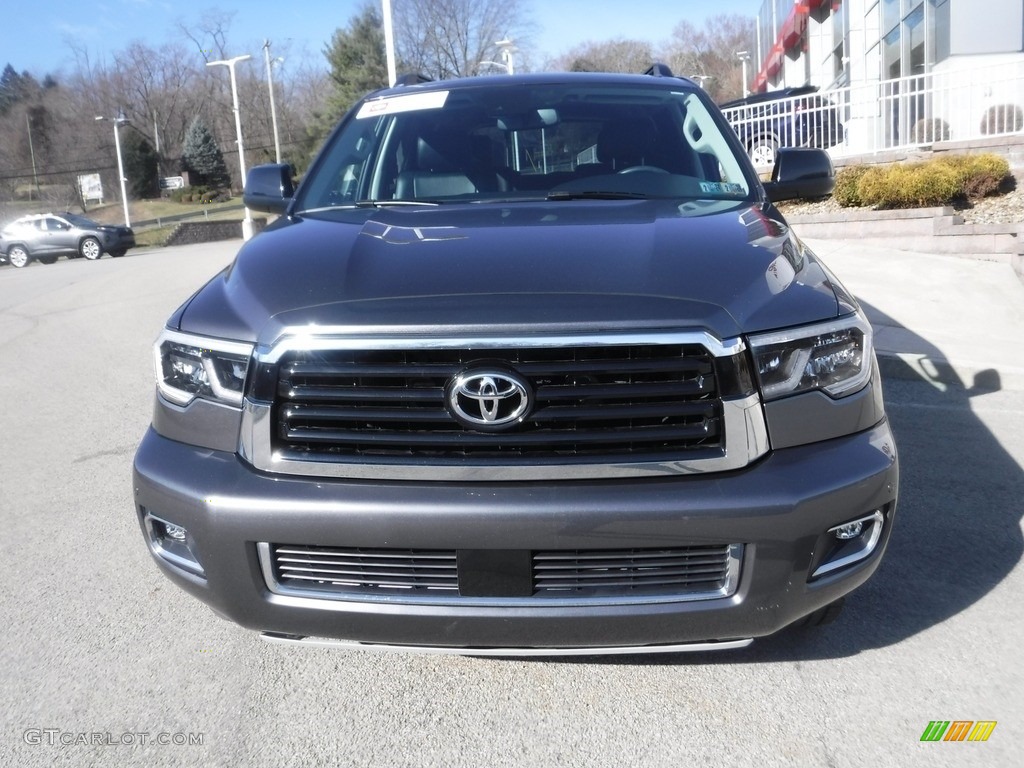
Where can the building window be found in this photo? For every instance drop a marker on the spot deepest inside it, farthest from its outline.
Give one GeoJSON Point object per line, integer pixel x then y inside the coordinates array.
{"type": "Point", "coordinates": [891, 60]}
{"type": "Point", "coordinates": [890, 15]}
{"type": "Point", "coordinates": [872, 64]}
{"type": "Point", "coordinates": [941, 36]}
{"type": "Point", "coordinates": [914, 40]}
{"type": "Point", "coordinates": [840, 42]}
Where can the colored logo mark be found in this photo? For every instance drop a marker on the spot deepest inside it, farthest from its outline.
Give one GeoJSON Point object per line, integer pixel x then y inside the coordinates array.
{"type": "Point", "coordinates": [958, 730]}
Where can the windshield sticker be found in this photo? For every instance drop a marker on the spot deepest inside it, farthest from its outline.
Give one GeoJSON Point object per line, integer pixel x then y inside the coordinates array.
{"type": "Point", "coordinates": [407, 103]}
{"type": "Point", "coordinates": [721, 188]}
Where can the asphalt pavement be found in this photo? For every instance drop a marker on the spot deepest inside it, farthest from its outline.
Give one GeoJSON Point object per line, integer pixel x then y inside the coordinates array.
{"type": "Point", "coordinates": [105, 662]}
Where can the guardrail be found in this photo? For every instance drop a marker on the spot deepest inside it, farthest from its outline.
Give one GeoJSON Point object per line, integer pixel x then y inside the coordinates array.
{"type": "Point", "coordinates": [191, 216]}
{"type": "Point", "coordinates": [952, 104]}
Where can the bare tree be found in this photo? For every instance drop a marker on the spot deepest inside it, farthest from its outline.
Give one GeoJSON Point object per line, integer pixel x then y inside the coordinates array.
{"type": "Point", "coordinates": [620, 55]}
{"type": "Point", "coordinates": [710, 53]}
{"type": "Point", "coordinates": [210, 35]}
{"type": "Point", "coordinates": [455, 38]}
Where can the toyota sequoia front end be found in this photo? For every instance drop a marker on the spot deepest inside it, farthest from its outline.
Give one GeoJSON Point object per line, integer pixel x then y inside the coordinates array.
{"type": "Point", "coordinates": [526, 365]}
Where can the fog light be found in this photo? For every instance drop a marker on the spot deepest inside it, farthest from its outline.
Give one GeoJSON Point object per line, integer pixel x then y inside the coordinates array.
{"type": "Point", "coordinates": [849, 543]}
{"type": "Point", "coordinates": [177, 533]}
{"type": "Point", "coordinates": [849, 531]}
{"type": "Point", "coordinates": [171, 543]}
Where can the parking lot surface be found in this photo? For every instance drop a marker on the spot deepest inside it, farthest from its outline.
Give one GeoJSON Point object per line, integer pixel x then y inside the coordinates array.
{"type": "Point", "coordinates": [105, 662]}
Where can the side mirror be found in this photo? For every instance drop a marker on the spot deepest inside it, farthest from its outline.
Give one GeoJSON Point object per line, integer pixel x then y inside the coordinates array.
{"type": "Point", "coordinates": [801, 172]}
{"type": "Point", "coordinates": [269, 188]}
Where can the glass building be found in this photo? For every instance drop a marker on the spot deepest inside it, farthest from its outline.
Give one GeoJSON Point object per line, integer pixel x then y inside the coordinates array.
{"type": "Point", "coordinates": [834, 43]}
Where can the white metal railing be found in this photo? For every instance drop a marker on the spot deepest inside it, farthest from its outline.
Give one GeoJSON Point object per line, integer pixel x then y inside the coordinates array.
{"type": "Point", "coordinates": [952, 104]}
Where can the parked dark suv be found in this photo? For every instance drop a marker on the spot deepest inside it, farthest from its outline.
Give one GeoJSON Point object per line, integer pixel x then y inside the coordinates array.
{"type": "Point", "coordinates": [471, 394]}
{"type": "Point", "coordinates": [790, 117]}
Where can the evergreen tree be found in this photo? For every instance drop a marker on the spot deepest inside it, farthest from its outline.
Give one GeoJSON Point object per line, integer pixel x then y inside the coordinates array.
{"type": "Point", "coordinates": [12, 88]}
{"type": "Point", "coordinates": [202, 158]}
{"type": "Point", "coordinates": [358, 64]}
{"type": "Point", "coordinates": [140, 164]}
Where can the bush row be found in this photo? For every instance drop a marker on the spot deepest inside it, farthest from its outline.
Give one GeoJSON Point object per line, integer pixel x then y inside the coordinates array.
{"type": "Point", "coordinates": [199, 194]}
{"type": "Point", "coordinates": [940, 181]}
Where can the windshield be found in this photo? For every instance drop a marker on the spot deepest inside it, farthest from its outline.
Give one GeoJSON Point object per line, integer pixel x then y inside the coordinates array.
{"type": "Point", "coordinates": [527, 141]}
{"type": "Point", "coordinates": [80, 221]}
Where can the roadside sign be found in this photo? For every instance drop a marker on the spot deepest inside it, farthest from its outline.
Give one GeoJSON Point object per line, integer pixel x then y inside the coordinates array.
{"type": "Point", "coordinates": [91, 186]}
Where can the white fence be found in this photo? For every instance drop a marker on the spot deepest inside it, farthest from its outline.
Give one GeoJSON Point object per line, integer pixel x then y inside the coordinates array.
{"type": "Point", "coordinates": [953, 104]}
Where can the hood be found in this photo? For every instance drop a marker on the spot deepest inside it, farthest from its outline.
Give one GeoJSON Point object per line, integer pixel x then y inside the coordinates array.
{"type": "Point", "coordinates": [563, 267]}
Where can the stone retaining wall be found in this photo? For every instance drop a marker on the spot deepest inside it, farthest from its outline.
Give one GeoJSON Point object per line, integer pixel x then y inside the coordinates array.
{"type": "Point", "coordinates": [924, 230]}
{"type": "Point", "coordinates": [191, 232]}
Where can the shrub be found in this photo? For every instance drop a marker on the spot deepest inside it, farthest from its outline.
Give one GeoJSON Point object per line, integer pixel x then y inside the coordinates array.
{"type": "Point", "coordinates": [981, 175]}
{"type": "Point", "coordinates": [909, 185]}
{"type": "Point", "coordinates": [198, 194]}
{"type": "Point", "coordinates": [846, 185]}
{"type": "Point", "coordinates": [1002, 118]}
{"type": "Point", "coordinates": [937, 182]}
{"type": "Point", "coordinates": [929, 131]}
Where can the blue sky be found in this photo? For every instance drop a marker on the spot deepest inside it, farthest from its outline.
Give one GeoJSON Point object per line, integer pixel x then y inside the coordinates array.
{"type": "Point", "coordinates": [39, 36]}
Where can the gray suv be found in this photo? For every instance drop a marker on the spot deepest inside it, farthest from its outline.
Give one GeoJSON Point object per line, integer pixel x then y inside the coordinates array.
{"type": "Point", "coordinates": [526, 365]}
{"type": "Point", "coordinates": [45, 237]}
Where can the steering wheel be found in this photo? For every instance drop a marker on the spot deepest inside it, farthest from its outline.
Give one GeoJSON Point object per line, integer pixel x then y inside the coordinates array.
{"type": "Point", "coordinates": [639, 168]}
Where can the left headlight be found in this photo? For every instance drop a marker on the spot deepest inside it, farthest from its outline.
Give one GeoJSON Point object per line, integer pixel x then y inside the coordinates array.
{"type": "Point", "coordinates": [835, 357]}
{"type": "Point", "coordinates": [190, 366]}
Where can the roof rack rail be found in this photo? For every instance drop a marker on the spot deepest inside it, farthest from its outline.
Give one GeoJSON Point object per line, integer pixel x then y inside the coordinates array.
{"type": "Point", "coordinates": [412, 78]}
{"type": "Point", "coordinates": [657, 69]}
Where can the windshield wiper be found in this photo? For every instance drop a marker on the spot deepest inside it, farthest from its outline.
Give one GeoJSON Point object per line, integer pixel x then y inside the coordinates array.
{"type": "Point", "coordinates": [595, 194]}
{"type": "Point", "coordinates": [365, 204]}
{"type": "Point", "coordinates": [388, 203]}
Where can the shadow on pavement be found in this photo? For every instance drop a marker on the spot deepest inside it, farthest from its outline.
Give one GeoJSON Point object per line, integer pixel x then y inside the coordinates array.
{"type": "Point", "coordinates": [957, 533]}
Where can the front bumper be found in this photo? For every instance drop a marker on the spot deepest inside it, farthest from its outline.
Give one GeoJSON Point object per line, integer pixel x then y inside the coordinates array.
{"type": "Point", "coordinates": [779, 509]}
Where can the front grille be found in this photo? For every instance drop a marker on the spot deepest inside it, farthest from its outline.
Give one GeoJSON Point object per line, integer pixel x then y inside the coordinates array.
{"type": "Point", "coordinates": [411, 575]}
{"type": "Point", "coordinates": [634, 402]}
{"type": "Point", "coordinates": [367, 571]}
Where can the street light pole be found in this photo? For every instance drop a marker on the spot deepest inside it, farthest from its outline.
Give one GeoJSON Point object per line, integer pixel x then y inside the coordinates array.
{"type": "Point", "coordinates": [744, 57]}
{"type": "Point", "coordinates": [389, 42]}
{"type": "Point", "coordinates": [507, 48]}
{"type": "Point", "coordinates": [273, 109]}
{"type": "Point", "coordinates": [118, 122]}
{"type": "Point", "coordinates": [230, 64]}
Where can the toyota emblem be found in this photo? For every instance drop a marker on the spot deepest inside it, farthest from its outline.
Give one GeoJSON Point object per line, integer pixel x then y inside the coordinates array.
{"type": "Point", "coordinates": [488, 399]}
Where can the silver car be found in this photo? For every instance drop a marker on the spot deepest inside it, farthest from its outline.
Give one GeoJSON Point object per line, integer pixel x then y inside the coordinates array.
{"type": "Point", "coordinates": [48, 236]}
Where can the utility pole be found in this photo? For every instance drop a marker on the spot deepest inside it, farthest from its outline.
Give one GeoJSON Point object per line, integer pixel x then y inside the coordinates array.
{"type": "Point", "coordinates": [32, 151]}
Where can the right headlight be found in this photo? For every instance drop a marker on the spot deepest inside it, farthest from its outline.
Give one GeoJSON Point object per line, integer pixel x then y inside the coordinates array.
{"type": "Point", "coordinates": [190, 366]}
{"type": "Point", "coordinates": [834, 357]}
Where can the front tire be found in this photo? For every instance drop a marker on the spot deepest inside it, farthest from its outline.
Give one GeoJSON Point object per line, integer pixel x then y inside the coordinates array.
{"type": "Point", "coordinates": [18, 256]}
{"type": "Point", "coordinates": [46, 259]}
{"type": "Point", "coordinates": [118, 253]}
{"type": "Point", "coordinates": [90, 248]}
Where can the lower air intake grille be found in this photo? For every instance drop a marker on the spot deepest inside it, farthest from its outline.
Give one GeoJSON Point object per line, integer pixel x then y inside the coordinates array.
{"type": "Point", "coordinates": [365, 571]}
{"type": "Point", "coordinates": [413, 575]}
{"type": "Point", "coordinates": [616, 573]}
